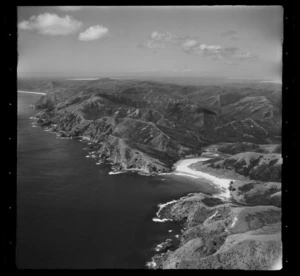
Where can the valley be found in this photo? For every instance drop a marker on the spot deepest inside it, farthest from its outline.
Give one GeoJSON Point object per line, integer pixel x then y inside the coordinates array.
{"type": "Point", "coordinates": [227, 134]}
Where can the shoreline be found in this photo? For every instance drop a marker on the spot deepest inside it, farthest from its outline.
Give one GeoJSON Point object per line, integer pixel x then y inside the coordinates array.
{"type": "Point", "coordinates": [182, 167]}
{"type": "Point", "coordinates": [166, 212]}
{"type": "Point", "coordinates": [31, 92]}
{"type": "Point", "coordinates": [92, 153]}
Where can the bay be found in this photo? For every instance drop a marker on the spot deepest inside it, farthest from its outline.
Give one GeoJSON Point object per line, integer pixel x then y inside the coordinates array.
{"type": "Point", "coordinates": [72, 214]}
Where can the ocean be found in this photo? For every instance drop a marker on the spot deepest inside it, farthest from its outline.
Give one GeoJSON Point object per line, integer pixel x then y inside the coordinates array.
{"type": "Point", "coordinates": [72, 214]}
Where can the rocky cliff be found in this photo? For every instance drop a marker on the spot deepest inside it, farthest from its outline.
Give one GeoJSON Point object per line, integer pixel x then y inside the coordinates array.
{"type": "Point", "coordinates": [241, 232]}
{"type": "Point", "coordinates": [158, 123]}
{"type": "Point", "coordinates": [147, 126]}
{"type": "Point", "coordinates": [222, 235]}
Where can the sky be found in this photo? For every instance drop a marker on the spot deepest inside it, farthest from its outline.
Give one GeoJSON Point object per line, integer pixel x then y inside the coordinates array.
{"type": "Point", "coordinates": [202, 41]}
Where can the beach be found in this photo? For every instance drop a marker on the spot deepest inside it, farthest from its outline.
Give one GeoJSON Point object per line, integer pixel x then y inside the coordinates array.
{"type": "Point", "coordinates": [31, 92]}
{"type": "Point", "coordinates": [182, 167]}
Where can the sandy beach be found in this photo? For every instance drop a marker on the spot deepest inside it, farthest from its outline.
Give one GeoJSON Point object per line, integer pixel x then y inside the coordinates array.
{"type": "Point", "coordinates": [182, 168]}
{"type": "Point", "coordinates": [31, 92]}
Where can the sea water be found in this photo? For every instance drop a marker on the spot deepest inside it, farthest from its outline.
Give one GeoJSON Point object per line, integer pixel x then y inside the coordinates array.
{"type": "Point", "coordinates": [72, 214]}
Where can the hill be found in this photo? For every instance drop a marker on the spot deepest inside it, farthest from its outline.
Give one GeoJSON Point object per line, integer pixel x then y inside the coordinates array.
{"type": "Point", "coordinates": [158, 123]}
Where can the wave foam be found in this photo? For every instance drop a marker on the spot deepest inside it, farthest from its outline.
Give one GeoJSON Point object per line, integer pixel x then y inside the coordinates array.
{"type": "Point", "coordinates": [160, 207]}
{"type": "Point", "coordinates": [115, 172]}
{"type": "Point", "coordinates": [151, 264]}
{"type": "Point", "coordinates": [160, 220]}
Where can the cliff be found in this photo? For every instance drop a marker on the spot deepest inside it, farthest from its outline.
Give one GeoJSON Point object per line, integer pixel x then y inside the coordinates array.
{"type": "Point", "coordinates": [148, 126]}
{"type": "Point", "coordinates": [163, 122]}
{"type": "Point", "coordinates": [241, 232]}
{"type": "Point", "coordinates": [222, 235]}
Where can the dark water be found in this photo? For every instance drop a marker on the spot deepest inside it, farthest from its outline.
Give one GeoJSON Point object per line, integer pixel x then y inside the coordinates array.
{"type": "Point", "coordinates": [72, 214]}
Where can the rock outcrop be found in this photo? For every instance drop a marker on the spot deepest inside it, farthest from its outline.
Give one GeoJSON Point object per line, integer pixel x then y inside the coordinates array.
{"type": "Point", "coordinates": [241, 232]}
{"type": "Point", "coordinates": [222, 235]}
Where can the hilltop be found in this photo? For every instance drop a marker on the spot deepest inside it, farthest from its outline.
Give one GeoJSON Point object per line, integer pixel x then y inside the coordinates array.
{"type": "Point", "coordinates": [242, 231]}
{"type": "Point", "coordinates": [149, 125]}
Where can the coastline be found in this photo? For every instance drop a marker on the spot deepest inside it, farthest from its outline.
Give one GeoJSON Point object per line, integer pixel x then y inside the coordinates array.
{"type": "Point", "coordinates": [183, 167]}
{"type": "Point", "coordinates": [91, 197]}
{"type": "Point", "coordinates": [31, 92]}
{"type": "Point", "coordinates": [201, 213]}
{"type": "Point", "coordinates": [92, 153]}
{"type": "Point", "coordinates": [185, 206]}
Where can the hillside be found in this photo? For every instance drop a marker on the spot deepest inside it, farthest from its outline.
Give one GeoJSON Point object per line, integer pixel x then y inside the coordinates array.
{"type": "Point", "coordinates": [256, 166]}
{"type": "Point", "coordinates": [242, 231]}
{"type": "Point", "coordinates": [216, 234]}
{"type": "Point", "coordinates": [234, 148]}
{"type": "Point", "coordinates": [156, 123]}
{"type": "Point", "coordinates": [148, 126]}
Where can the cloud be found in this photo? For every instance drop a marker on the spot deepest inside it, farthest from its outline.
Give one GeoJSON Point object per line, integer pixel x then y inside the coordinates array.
{"type": "Point", "coordinates": [194, 46]}
{"type": "Point", "coordinates": [182, 70]}
{"type": "Point", "coordinates": [228, 33]}
{"type": "Point", "coordinates": [233, 35]}
{"type": "Point", "coordinates": [93, 33]}
{"type": "Point", "coordinates": [78, 8]}
{"type": "Point", "coordinates": [159, 40]}
{"type": "Point", "coordinates": [69, 8]}
{"type": "Point", "coordinates": [218, 52]}
{"type": "Point", "coordinates": [189, 43]}
{"type": "Point", "coordinates": [51, 24]}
